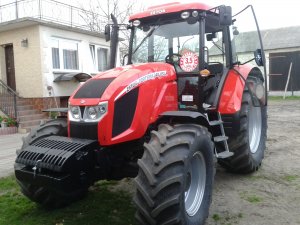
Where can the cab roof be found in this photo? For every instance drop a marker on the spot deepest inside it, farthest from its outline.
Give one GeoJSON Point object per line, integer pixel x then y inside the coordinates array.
{"type": "Point", "coordinates": [169, 8]}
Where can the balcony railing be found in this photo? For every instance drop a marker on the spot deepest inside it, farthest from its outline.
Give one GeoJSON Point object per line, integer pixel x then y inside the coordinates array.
{"type": "Point", "coordinates": [53, 11]}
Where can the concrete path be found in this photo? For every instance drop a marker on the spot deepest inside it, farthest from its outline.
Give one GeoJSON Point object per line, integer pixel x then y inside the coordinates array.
{"type": "Point", "coordinates": [8, 146]}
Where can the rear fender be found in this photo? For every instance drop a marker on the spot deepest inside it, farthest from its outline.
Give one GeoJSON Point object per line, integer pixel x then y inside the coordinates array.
{"type": "Point", "coordinates": [232, 92]}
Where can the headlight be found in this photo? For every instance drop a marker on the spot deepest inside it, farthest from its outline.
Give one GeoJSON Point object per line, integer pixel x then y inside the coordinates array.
{"type": "Point", "coordinates": [95, 113]}
{"type": "Point", "coordinates": [136, 23]}
{"type": "Point", "coordinates": [74, 113]}
{"type": "Point", "coordinates": [90, 113]}
{"type": "Point", "coordinates": [185, 15]}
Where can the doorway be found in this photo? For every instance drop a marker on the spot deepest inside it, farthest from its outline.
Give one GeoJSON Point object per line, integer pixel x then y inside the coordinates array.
{"type": "Point", "coordinates": [279, 66]}
{"type": "Point", "coordinates": [10, 67]}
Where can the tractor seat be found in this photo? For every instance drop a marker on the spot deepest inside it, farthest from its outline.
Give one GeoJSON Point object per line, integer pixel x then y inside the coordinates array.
{"type": "Point", "coordinates": [215, 68]}
{"type": "Point", "coordinates": [210, 89]}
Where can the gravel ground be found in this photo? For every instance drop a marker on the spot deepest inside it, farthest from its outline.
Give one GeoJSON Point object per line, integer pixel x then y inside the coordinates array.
{"type": "Point", "coordinates": [272, 194]}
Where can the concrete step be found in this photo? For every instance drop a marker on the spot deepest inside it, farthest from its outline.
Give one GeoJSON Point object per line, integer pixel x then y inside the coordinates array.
{"type": "Point", "coordinates": [31, 117]}
{"type": "Point", "coordinates": [27, 129]}
{"type": "Point", "coordinates": [22, 102]}
{"type": "Point", "coordinates": [27, 112]}
{"type": "Point", "coordinates": [31, 123]}
{"type": "Point", "coordinates": [25, 107]}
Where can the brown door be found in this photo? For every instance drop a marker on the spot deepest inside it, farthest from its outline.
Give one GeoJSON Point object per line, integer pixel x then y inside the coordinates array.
{"type": "Point", "coordinates": [10, 66]}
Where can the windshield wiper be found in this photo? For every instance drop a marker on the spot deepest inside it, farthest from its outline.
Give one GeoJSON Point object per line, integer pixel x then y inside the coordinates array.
{"type": "Point", "coordinates": [148, 35]}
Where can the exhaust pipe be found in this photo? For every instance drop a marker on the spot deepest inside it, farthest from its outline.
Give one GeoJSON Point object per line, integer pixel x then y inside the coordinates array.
{"type": "Point", "coordinates": [113, 42]}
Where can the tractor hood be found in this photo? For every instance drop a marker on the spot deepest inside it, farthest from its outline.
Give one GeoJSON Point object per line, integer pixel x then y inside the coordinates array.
{"type": "Point", "coordinates": [123, 102]}
{"type": "Point", "coordinates": [113, 84]}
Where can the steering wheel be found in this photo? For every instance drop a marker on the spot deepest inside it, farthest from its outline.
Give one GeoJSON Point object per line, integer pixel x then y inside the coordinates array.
{"type": "Point", "coordinates": [172, 58]}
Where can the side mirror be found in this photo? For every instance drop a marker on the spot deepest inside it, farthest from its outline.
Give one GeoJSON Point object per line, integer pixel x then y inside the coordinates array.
{"type": "Point", "coordinates": [258, 57]}
{"type": "Point", "coordinates": [107, 33]}
{"type": "Point", "coordinates": [225, 15]}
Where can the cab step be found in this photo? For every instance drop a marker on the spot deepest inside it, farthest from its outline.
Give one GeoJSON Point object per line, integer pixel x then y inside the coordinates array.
{"type": "Point", "coordinates": [221, 139]}
{"type": "Point", "coordinates": [215, 122]}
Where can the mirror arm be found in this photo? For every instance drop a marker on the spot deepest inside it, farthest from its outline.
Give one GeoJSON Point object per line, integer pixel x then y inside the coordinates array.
{"type": "Point", "coordinates": [246, 62]}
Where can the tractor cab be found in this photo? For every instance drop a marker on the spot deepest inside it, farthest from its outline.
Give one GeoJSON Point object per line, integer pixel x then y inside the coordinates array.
{"type": "Point", "coordinates": [197, 40]}
{"type": "Point", "coordinates": [183, 38]}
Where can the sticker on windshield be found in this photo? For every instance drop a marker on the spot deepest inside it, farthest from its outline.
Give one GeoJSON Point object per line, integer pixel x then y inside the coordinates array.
{"type": "Point", "coordinates": [188, 61]}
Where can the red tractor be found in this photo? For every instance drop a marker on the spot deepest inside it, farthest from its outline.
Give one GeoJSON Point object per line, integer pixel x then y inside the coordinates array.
{"type": "Point", "coordinates": [187, 97]}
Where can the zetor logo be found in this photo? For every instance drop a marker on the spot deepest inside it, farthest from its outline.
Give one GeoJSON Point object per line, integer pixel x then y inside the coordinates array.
{"type": "Point", "coordinates": [158, 11]}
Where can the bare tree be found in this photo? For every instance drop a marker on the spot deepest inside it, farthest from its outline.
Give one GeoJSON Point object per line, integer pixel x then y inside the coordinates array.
{"type": "Point", "coordinates": [97, 10]}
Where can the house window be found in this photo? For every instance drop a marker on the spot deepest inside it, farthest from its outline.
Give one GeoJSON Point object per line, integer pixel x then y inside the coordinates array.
{"type": "Point", "coordinates": [64, 54]}
{"type": "Point", "coordinates": [55, 54]}
{"type": "Point", "coordinates": [99, 57]}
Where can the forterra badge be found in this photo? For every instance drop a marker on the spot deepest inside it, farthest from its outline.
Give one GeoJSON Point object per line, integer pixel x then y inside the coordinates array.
{"type": "Point", "coordinates": [188, 61]}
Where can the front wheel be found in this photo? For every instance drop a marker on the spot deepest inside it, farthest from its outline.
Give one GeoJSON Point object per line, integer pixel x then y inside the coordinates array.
{"type": "Point", "coordinates": [176, 173]}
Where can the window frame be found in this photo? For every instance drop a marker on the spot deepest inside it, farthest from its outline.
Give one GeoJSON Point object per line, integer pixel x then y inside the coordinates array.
{"type": "Point", "coordinates": [94, 56]}
{"type": "Point", "coordinates": [62, 43]}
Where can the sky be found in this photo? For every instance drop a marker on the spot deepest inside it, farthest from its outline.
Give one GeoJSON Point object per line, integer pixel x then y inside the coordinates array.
{"type": "Point", "coordinates": [270, 13]}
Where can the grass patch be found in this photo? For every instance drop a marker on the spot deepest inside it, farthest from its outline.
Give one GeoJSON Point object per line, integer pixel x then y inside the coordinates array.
{"type": "Point", "coordinates": [278, 98]}
{"type": "Point", "coordinates": [7, 183]}
{"type": "Point", "coordinates": [216, 217]}
{"type": "Point", "coordinates": [227, 218]}
{"type": "Point", "coordinates": [290, 178]}
{"type": "Point", "coordinates": [252, 198]}
{"type": "Point", "coordinates": [101, 207]}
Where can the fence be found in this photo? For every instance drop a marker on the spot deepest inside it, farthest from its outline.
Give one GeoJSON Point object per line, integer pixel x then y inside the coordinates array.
{"type": "Point", "coordinates": [53, 11]}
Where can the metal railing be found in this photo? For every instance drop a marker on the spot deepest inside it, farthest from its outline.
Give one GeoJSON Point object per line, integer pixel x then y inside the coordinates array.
{"type": "Point", "coordinates": [8, 100]}
{"type": "Point", "coordinates": [53, 11]}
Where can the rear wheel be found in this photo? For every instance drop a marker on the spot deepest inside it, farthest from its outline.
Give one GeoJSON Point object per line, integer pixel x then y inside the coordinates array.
{"type": "Point", "coordinates": [249, 143]}
{"type": "Point", "coordinates": [176, 172]}
{"type": "Point", "coordinates": [40, 194]}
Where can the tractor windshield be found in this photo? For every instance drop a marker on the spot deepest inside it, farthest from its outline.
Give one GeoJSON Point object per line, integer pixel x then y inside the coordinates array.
{"type": "Point", "coordinates": [165, 42]}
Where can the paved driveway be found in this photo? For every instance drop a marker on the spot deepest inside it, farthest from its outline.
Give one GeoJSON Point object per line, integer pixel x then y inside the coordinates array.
{"type": "Point", "coordinates": [8, 146]}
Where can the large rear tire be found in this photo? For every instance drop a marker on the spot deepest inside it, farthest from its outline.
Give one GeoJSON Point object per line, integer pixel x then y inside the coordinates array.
{"type": "Point", "coordinates": [175, 179]}
{"type": "Point", "coordinates": [249, 143]}
{"type": "Point", "coordinates": [42, 195]}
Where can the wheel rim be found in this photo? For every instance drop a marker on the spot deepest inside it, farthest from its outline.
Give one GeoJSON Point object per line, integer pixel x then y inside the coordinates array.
{"type": "Point", "coordinates": [195, 187]}
{"type": "Point", "coordinates": [255, 126]}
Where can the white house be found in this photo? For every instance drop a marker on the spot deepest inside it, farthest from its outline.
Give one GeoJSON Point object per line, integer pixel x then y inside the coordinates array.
{"type": "Point", "coordinates": [44, 54]}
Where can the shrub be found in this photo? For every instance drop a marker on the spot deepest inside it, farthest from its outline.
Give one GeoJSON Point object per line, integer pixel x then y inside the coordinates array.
{"type": "Point", "coordinates": [11, 122]}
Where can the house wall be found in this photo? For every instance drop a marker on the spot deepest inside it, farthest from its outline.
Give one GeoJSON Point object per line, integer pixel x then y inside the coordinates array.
{"type": "Point", "coordinates": [65, 88]}
{"type": "Point", "coordinates": [26, 59]}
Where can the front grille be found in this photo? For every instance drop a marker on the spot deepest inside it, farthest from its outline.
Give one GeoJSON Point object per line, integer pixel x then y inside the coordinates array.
{"type": "Point", "coordinates": [124, 112]}
{"type": "Point", "coordinates": [84, 130]}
